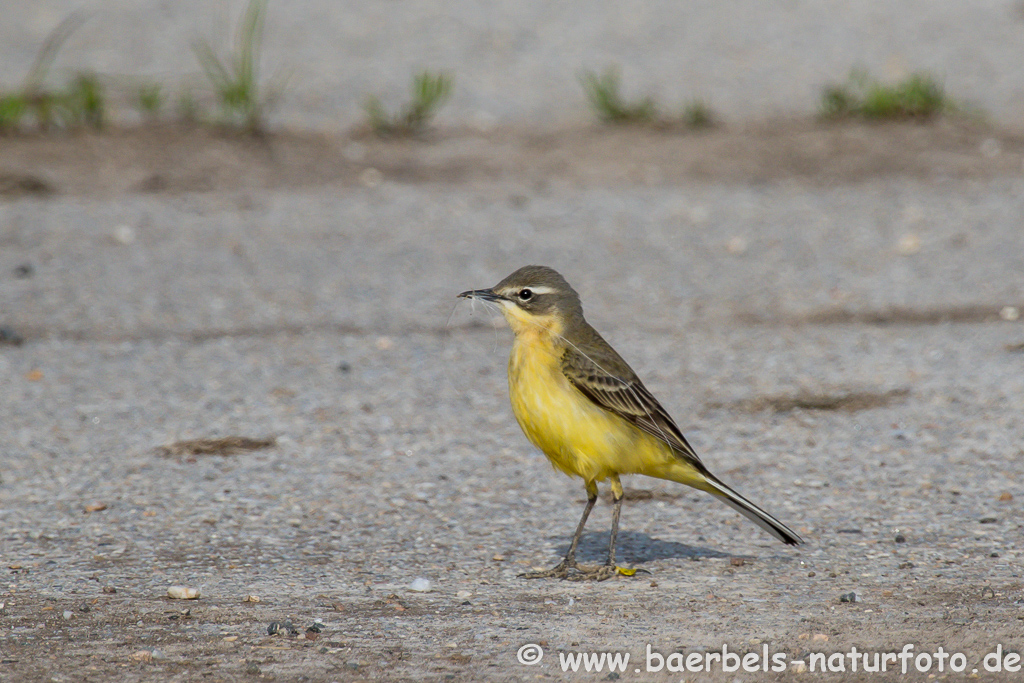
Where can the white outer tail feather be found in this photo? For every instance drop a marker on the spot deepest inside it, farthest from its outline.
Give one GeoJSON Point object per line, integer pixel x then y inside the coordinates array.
{"type": "Point", "coordinates": [753, 513]}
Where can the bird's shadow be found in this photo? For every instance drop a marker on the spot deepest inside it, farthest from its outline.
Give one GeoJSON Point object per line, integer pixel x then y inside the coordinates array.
{"type": "Point", "coordinates": [634, 548]}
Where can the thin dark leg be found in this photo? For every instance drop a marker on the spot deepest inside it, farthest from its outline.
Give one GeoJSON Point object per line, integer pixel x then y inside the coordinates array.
{"type": "Point", "coordinates": [561, 570]}
{"type": "Point", "coordinates": [570, 557]}
{"type": "Point", "coordinates": [615, 530]}
{"type": "Point", "coordinates": [608, 569]}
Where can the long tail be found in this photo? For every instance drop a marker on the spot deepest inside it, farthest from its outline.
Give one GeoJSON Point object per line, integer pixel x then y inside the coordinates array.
{"type": "Point", "coordinates": [751, 511]}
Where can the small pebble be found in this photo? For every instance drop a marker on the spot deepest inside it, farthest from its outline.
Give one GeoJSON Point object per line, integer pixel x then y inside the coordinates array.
{"type": "Point", "coordinates": [23, 271]}
{"type": "Point", "coordinates": [736, 245]}
{"type": "Point", "coordinates": [371, 177]}
{"type": "Point", "coordinates": [990, 148]}
{"type": "Point", "coordinates": [183, 593]}
{"type": "Point", "coordinates": [463, 594]}
{"type": "Point", "coordinates": [820, 638]}
{"type": "Point", "coordinates": [1009, 313]}
{"type": "Point", "coordinates": [737, 561]}
{"type": "Point", "coordinates": [251, 598]}
{"type": "Point", "coordinates": [900, 538]}
{"type": "Point", "coordinates": [988, 520]}
{"type": "Point", "coordinates": [849, 597]}
{"type": "Point", "coordinates": [285, 627]}
{"type": "Point", "coordinates": [1005, 497]}
{"type": "Point", "coordinates": [110, 590]}
{"type": "Point", "coordinates": [68, 614]}
{"type": "Point", "coordinates": [420, 585]}
{"type": "Point", "coordinates": [124, 234]}
{"type": "Point", "coordinates": [909, 245]}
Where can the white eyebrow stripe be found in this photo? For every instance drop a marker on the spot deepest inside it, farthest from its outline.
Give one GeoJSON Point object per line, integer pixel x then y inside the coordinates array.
{"type": "Point", "coordinates": [541, 290]}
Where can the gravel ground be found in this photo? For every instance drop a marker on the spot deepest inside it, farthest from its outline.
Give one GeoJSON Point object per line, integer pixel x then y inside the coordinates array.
{"type": "Point", "coordinates": [843, 347]}
{"type": "Point", "coordinates": [326, 319]}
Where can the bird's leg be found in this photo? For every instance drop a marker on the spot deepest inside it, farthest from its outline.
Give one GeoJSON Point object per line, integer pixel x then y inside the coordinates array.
{"type": "Point", "coordinates": [608, 569]}
{"type": "Point", "coordinates": [561, 570]}
{"type": "Point", "coordinates": [617, 496]}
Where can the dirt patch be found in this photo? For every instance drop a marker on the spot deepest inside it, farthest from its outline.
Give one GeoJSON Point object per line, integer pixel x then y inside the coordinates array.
{"type": "Point", "coordinates": [19, 185]}
{"type": "Point", "coordinates": [228, 445]}
{"type": "Point", "coordinates": [846, 401]}
{"type": "Point", "coordinates": [174, 159]}
{"type": "Point", "coordinates": [941, 315]}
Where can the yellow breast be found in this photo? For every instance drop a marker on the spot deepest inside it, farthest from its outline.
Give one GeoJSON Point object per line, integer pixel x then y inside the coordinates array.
{"type": "Point", "coordinates": [578, 437]}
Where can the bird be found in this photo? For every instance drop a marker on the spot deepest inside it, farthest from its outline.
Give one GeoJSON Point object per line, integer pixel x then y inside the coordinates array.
{"type": "Point", "coordinates": [584, 407]}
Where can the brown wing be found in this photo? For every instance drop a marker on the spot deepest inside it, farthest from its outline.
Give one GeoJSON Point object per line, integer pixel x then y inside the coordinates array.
{"type": "Point", "coordinates": [627, 397]}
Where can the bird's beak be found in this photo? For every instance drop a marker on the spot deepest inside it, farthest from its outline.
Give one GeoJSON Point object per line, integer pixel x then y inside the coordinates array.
{"type": "Point", "coordinates": [483, 294]}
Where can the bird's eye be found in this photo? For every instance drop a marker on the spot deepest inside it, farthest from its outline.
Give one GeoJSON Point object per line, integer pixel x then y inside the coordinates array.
{"type": "Point", "coordinates": [525, 294]}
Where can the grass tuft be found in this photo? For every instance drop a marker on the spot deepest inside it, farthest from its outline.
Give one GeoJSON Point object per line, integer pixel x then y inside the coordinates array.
{"type": "Point", "coordinates": [605, 97]}
{"type": "Point", "coordinates": [13, 109]}
{"type": "Point", "coordinates": [83, 103]}
{"type": "Point", "coordinates": [698, 114]}
{"type": "Point", "coordinates": [149, 100]}
{"type": "Point", "coordinates": [235, 78]}
{"type": "Point", "coordinates": [429, 92]}
{"type": "Point", "coordinates": [919, 96]}
{"type": "Point", "coordinates": [80, 103]}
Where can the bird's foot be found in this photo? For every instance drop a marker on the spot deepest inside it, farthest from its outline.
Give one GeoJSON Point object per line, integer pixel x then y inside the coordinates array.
{"type": "Point", "coordinates": [559, 571]}
{"type": "Point", "coordinates": [571, 571]}
{"type": "Point", "coordinates": [599, 573]}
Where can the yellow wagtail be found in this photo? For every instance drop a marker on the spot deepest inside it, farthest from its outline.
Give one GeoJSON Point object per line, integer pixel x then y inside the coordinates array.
{"type": "Point", "coordinates": [581, 404]}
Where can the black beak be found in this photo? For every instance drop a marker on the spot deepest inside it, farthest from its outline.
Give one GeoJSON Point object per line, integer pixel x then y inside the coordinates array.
{"type": "Point", "coordinates": [484, 294]}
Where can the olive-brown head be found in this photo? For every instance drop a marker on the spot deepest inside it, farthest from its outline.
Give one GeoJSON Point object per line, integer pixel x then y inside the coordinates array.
{"type": "Point", "coordinates": [534, 296]}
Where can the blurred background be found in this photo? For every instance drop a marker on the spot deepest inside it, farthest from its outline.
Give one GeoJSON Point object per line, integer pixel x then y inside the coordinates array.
{"type": "Point", "coordinates": [518, 61]}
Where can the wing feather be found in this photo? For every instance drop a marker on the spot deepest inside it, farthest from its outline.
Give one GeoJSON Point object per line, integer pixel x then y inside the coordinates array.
{"type": "Point", "coordinates": [627, 397]}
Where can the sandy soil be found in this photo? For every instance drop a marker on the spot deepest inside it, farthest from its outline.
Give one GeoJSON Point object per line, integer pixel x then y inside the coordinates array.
{"type": "Point", "coordinates": [174, 159]}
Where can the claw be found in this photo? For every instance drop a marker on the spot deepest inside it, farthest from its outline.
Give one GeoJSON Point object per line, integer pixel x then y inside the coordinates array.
{"type": "Point", "coordinates": [564, 570]}
{"type": "Point", "coordinates": [559, 571]}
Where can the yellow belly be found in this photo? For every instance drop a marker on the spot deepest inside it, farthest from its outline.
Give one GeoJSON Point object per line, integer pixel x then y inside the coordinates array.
{"type": "Point", "coordinates": [577, 436]}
